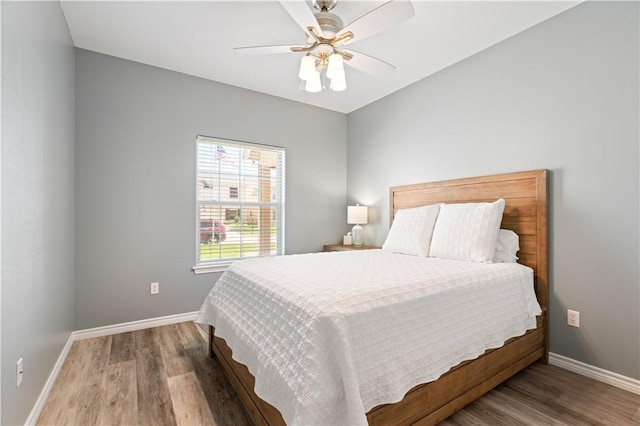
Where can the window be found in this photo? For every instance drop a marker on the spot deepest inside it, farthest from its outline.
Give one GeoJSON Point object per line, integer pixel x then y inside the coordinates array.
{"type": "Point", "coordinates": [239, 202]}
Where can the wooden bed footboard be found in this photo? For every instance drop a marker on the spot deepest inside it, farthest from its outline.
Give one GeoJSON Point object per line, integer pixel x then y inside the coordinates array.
{"type": "Point", "coordinates": [525, 195]}
{"type": "Point", "coordinates": [425, 404]}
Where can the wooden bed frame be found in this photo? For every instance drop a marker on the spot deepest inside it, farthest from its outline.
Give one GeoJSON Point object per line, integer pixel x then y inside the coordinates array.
{"type": "Point", "coordinates": [525, 195]}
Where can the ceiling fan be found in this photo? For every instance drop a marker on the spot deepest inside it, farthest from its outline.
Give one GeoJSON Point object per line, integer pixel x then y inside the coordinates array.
{"type": "Point", "coordinates": [326, 34]}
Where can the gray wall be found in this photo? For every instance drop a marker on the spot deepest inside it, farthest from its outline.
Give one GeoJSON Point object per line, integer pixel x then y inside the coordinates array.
{"type": "Point", "coordinates": [37, 198]}
{"type": "Point", "coordinates": [135, 181]}
{"type": "Point", "coordinates": [562, 96]}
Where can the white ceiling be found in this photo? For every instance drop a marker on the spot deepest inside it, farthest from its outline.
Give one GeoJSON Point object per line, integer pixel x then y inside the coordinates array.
{"type": "Point", "coordinates": [198, 38]}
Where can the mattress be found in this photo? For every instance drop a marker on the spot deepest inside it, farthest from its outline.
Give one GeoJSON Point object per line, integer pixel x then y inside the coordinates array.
{"type": "Point", "coordinates": [328, 336]}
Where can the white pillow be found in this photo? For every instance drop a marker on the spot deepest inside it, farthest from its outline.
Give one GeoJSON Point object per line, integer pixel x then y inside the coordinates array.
{"type": "Point", "coordinates": [467, 231]}
{"type": "Point", "coordinates": [507, 245]}
{"type": "Point", "coordinates": [411, 230]}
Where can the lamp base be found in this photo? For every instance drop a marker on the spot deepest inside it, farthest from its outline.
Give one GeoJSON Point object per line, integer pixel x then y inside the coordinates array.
{"type": "Point", "coordinates": [357, 234]}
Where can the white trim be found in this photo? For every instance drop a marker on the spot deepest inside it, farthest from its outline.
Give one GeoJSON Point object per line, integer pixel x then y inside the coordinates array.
{"type": "Point", "coordinates": [599, 374]}
{"type": "Point", "coordinates": [44, 394]}
{"type": "Point", "coordinates": [108, 330]}
{"type": "Point", "coordinates": [98, 332]}
{"type": "Point", "coordinates": [207, 268]}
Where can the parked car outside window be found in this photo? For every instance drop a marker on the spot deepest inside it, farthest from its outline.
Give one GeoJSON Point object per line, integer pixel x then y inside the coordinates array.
{"type": "Point", "coordinates": [211, 229]}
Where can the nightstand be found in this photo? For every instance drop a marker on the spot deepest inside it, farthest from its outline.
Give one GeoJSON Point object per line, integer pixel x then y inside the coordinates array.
{"type": "Point", "coordinates": [342, 247]}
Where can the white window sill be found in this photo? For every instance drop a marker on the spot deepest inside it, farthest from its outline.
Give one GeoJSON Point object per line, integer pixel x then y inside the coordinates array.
{"type": "Point", "coordinates": [207, 268]}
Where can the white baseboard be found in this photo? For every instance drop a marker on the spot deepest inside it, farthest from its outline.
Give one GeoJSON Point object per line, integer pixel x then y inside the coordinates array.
{"type": "Point", "coordinates": [98, 332]}
{"type": "Point", "coordinates": [108, 330]}
{"type": "Point", "coordinates": [599, 374]}
{"type": "Point", "coordinates": [44, 394]}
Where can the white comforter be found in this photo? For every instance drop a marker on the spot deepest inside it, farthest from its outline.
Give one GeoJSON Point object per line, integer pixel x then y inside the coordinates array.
{"type": "Point", "coordinates": [329, 336]}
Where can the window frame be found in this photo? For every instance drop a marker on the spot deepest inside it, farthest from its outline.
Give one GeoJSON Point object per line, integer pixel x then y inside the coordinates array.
{"type": "Point", "coordinates": [220, 265]}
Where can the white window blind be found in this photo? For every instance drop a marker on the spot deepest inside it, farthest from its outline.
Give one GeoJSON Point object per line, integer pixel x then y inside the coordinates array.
{"type": "Point", "coordinates": [240, 202]}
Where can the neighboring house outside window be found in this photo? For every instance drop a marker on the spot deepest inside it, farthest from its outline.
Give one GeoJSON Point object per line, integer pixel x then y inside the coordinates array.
{"type": "Point", "coordinates": [239, 202]}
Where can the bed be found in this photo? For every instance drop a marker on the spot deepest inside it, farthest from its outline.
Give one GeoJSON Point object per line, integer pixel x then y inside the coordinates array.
{"type": "Point", "coordinates": [428, 401]}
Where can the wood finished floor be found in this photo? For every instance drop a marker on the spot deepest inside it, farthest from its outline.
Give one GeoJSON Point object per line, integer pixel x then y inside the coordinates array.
{"type": "Point", "coordinates": [164, 376]}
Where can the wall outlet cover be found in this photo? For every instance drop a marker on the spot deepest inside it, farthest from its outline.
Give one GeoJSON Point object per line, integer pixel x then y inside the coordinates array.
{"type": "Point", "coordinates": [573, 318]}
{"type": "Point", "coordinates": [19, 372]}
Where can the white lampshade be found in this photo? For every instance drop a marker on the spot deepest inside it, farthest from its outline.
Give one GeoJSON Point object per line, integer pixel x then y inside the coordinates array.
{"type": "Point", "coordinates": [335, 67]}
{"type": "Point", "coordinates": [338, 84]}
{"type": "Point", "coordinates": [307, 68]}
{"type": "Point", "coordinates": [357, 215]}
{"type": "Point", "coordinates": [314, 84]}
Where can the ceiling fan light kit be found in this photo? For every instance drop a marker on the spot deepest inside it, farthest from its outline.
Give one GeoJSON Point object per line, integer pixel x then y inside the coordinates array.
{"type": "Point", "coordinates": [338, 85]}
{"type": "Point", "coordinates": [326, 31]}
{"type": "Point", "coordinates": [312, 68]}
{"type": "Point", "coordinates": [314, 84]}
{"type": "Point", "coordinates": [307, 67]}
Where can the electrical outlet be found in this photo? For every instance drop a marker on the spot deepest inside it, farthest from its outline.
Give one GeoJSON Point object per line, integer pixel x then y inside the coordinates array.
{"type": "Point", "coordinates": [19, 372]}
{"type": "Point", "coordinates": [155, 288]}
{"type": "Point", "coordinates": [573, 318]}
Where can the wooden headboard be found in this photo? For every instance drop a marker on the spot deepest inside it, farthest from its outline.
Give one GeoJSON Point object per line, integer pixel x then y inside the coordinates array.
{"type": "Point", "coordinates": [525, 212]}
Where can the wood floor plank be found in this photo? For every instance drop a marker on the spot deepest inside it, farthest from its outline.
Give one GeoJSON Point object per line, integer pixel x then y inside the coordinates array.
{"type": "Point", "coordinates": [174, 357]}
{"type": "Point", "coordinates": [463, 418]}
{"type": "Point", "coordinates": [92, 388]}
{"type": "Point", "coordinates": [57, 408]}
{"type": "Point", "coordinates": [123, 347]}
{"type": "Point", "coordinates": [119, 395]}
{"type": "Point", "coordinates": [191, 335]}
{"type": "Point", "coordinates": [74, 397]}
{"type": "Point", "coordinates": [613, 411]}
{"type": "Point", "coordinates": [580, 394]}
{"type": "Point", "coordinates": [222, 400]}
{"type": "Point", "coordinates": [490, 414]}
{"type": "Point", "coordinates": [189, 403]}
{"type": "Point", "coordinates": [618, 406]}
{"type": "Point", "coordinates": [502, 399]}
{"type": "Point", "coordinates": [520, 412]}
{"type": "Point", "coordinates": [204, 332]}
{"type": "Point", "coordinates": [145, 338]}
{"type": "Point", "coordinates": [154, 399]}
{"type": "Point", "coordinates": [534, 396]}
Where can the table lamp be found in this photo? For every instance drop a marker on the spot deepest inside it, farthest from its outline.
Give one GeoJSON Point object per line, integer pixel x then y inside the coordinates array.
{"type": "Point", "coordinates": [357, 215]}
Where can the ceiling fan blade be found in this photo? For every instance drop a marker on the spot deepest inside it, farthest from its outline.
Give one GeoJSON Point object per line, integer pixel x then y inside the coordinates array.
{"type": "Point", "coordinates": [264, 50]}
{"type": "Point", "coordinates": [368, 64]}
{"type": "Point", "coordinates": [378, 20]}
{"type": "Point", "coordinates": [301, 13]}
